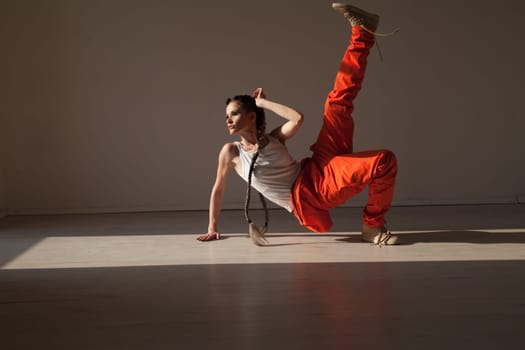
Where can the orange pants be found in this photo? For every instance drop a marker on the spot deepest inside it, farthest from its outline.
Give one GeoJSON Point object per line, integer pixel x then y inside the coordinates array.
{"type": "Point", "coordinates": [334, 173]}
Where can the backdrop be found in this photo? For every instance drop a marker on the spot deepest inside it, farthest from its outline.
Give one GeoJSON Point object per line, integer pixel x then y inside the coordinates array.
{"type": "Point", "coordinates": [118, 105]}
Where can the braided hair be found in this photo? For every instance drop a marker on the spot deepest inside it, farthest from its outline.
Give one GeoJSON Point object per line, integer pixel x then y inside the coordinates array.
{"type": "Point", "coordinates": [247, 103]}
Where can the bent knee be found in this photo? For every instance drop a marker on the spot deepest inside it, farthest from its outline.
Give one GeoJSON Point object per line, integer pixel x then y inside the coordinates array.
{"type": "Point", "coordinates": [387, 164]}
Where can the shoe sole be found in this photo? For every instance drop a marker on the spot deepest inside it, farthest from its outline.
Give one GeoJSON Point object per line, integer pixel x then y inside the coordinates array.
{"type": "Point", "coordinates": [349, 8]}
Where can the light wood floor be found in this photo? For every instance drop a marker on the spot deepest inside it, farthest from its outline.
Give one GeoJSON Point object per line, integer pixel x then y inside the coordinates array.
{"type": "Point", "coordinates": [142, 281]}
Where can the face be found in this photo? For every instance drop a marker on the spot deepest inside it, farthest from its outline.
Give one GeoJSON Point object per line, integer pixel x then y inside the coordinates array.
{"type": "Point", "coordinates": [237, 119]}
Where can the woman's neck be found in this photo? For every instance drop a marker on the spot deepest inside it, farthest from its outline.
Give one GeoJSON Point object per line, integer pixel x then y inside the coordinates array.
{"type": "Point", "coordinates": [248, 137]}
{"type": "Point", "coordinates": [250, 142]}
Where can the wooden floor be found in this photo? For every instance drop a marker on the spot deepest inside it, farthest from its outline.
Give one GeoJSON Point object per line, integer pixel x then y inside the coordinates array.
{"type": "Point", "coordinates": [142, 281]}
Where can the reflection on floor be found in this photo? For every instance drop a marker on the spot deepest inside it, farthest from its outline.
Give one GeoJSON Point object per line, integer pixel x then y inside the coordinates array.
{"type": "Point", "coordinates": [141, 281]}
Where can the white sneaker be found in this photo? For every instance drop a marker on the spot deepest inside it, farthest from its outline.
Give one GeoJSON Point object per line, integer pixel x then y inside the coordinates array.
{"type": "Point", "coordinates": [356, 16]}
{"type": "Point", "coordinates": [379, 236]}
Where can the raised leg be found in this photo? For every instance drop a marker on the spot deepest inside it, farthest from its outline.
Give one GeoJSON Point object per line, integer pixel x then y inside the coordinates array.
{"type": "Point", "coordinates": [337, 131]}
{"type": "Point", "coordinates": [334, 173]}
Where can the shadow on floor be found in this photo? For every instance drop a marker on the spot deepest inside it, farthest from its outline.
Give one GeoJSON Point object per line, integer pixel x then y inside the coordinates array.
{"type": "Point", "coordinates": [474, 237]}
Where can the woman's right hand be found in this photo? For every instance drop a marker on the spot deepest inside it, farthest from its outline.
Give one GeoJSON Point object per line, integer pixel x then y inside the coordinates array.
{"type": "Point", "coordinates": [258, 94]}
{"type": "Point", "coordinates": [210, 236]}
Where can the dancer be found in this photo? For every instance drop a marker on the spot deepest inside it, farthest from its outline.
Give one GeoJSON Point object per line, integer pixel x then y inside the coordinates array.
{"type": "Point", "coordinates": [333, 174]}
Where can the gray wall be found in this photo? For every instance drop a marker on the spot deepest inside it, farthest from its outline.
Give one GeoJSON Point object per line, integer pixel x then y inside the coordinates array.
{"type": "Point", "coordinates": [119, 105]}
{"type": "Point", "coordinates": [3, 200]}
{"type": "Point", "coordinates": [3, 117]}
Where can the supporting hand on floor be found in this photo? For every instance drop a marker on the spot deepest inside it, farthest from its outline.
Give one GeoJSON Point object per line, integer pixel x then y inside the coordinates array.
{"type": "Point", "coordinates": [210, 236]}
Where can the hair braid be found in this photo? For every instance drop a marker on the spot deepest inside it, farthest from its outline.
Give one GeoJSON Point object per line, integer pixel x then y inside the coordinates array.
{"type": "Point", "coordinates": [248, 103]}
{"type": "Point", "coordinates": [256, 233]}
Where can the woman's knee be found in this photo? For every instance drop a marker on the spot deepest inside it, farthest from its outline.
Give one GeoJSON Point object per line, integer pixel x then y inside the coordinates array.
{"type": "Point", "coordinates": [387, 164]}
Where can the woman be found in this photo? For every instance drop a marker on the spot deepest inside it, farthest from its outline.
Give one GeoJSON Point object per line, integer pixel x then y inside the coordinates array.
{"type": "Point", "coordinates": [333, 173]}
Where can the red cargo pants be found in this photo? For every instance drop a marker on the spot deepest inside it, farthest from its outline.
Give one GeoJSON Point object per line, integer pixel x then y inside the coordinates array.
{"type": "Point", "coordinates": [334, 173]}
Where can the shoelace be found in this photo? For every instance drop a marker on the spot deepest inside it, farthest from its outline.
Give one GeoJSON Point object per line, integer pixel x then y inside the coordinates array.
{"type": "Point", "coordinates": [383, 35]}
{"type": "Point", "coordinates": [383, 237]}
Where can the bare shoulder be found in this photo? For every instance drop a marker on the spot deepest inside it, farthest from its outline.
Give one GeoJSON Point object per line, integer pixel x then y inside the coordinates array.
{"type": "Point", "coordinates": [229, 150]}
{"type": "Point", "coordinates": [228, 154]}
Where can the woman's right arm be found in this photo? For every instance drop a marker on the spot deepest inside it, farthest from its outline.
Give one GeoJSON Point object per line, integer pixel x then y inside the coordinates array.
{"type": "Point", "coordinates": [225, 164]}
{"type": "Point", "coordinates": [294, 118]}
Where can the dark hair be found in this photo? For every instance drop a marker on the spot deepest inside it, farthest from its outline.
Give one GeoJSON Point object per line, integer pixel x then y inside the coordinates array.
{"type": "Point", "coordinates": [247, 103]}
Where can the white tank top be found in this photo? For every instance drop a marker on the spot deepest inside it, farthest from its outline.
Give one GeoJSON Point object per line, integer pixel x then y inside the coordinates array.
{"type": "Point", "coordinates": [274, 173]}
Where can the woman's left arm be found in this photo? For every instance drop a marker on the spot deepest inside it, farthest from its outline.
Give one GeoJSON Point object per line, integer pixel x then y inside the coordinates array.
{"type": "Point", "coordinates": [293, 117]}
